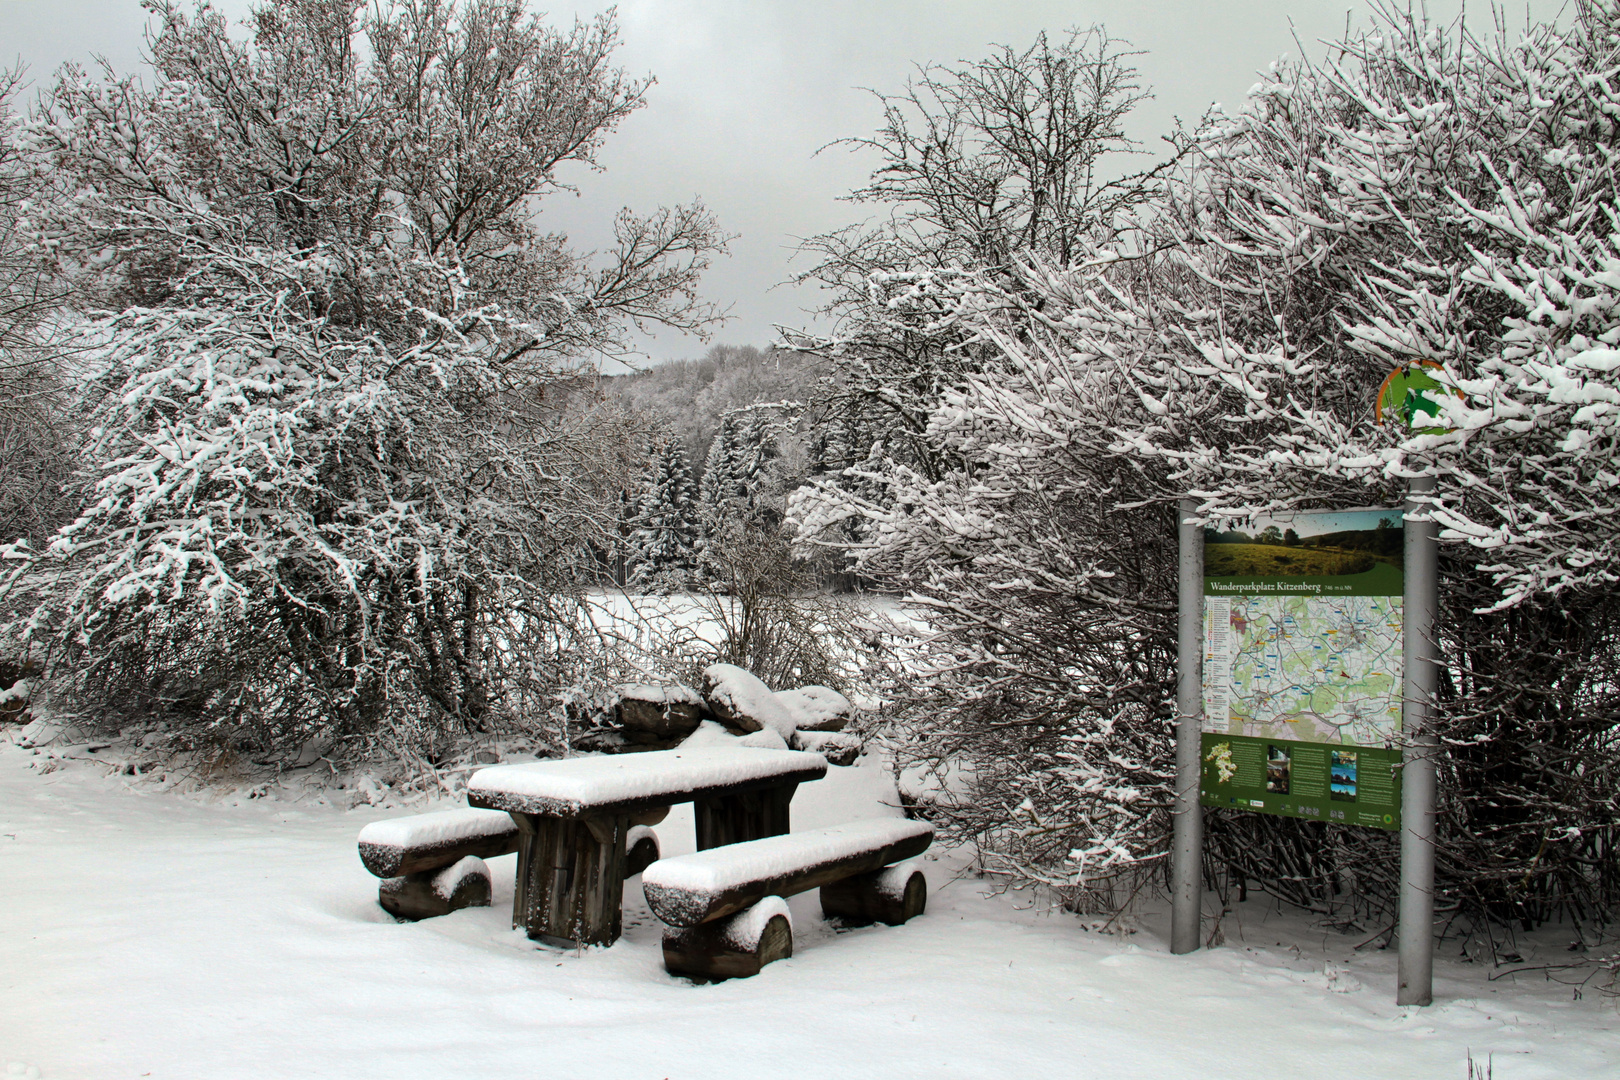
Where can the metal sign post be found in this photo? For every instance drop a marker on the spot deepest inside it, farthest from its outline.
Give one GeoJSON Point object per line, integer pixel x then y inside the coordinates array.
{"type": "Point", "coordinates": [1187, 850]}
{"type": "Point", "coordinates": [1415, 966]}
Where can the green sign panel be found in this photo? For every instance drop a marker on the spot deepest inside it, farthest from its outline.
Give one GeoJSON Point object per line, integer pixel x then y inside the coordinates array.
{"type": "Point", "coordinates": [1303, 647]}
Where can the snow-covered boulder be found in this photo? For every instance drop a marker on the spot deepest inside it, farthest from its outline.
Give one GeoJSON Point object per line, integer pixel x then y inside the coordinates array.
{"type": "Point", "coordinates": [816, 708]}
{"type": "Point", "coordinates": [838, 747]}
{"type": "Point", "coordinates": [649, 712]}
{"type": "Point", "coordinates": [740, 701]}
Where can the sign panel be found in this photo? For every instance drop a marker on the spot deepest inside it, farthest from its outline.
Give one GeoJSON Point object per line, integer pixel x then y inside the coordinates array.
{"type": "Point", "coordinates": [1303, 649]}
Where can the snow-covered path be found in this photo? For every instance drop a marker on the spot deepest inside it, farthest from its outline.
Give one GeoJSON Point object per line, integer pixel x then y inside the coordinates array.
{"type": "Point", "coordinates": [149, 934]}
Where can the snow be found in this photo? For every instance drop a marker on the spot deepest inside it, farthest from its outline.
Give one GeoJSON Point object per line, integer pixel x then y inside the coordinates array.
{"type": "Point", "coordinates": [764, 739]}
{"type": "Point", "coordinates": [830, 743]}
{"type": "Point", "coordinates": [812, 706]}
{"type": "Point", "coordinates": [574, 785]}
{"type": "Point", "coordinates": [446, 881]}
{"type": "Point", "coordinates": [744, 929]}
{"type": "Point", "coordinates": [189, 937]}
{"type": "Point", "coordinates": [660, 694]}
{"type": "Point", "coordinates": [637, 834]}
{"type": "Point", "coordinates": [439, 827]}
{"type": "Point", "coordinates": [732, 691]}
{"type": "Point", "coordinates": [891, 880]}
{"type": "Point", "coordinates": [735, 865]}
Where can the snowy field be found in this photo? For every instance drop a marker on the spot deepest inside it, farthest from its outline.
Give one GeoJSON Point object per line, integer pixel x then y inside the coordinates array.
{"type": "Point", "coordinates": [151, 933]}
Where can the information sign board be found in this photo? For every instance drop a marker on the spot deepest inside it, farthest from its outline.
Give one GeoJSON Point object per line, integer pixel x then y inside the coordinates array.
{"type": "Point", "coordinates": [1302, 672]}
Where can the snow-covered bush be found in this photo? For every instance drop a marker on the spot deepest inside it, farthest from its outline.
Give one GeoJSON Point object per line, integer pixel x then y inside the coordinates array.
{"type": "Point", "coordinates": [325, 495]}
{"type": "Point", "coordinates": [1422, 195]}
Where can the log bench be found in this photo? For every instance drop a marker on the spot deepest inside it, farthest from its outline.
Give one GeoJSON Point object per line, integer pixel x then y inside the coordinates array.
{"type": "Point", "coordinates": [577, 819]}
{"type": "Point", "coordinates": [724, 907]}
{"type": "Point", "coordinates": [433, 864]}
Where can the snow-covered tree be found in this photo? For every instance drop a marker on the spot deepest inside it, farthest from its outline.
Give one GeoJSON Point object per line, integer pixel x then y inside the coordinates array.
{"type": "Point", "coordinates": [1422, 195]}
{"type": "Point", "coordinates": [35, 460]}
{"type": "Point", "coordinates": [977, 163]}
{"type": "Point", "coordinates": [326, 496]}
{"type": "Point", "coordinates": [742, 473]}
{"type": "Point", "coordinates": [666, 530]}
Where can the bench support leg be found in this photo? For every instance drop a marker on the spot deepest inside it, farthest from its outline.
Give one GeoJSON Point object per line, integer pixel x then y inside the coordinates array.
{"type": "Point", "coordinates": [893, 895]}
{"type": "Point", "coordinates": [570, 878]}
{"type": "Point", "coordinates": [429, 893]}
{"type": "Point", "coordinates": [752, 815]}
{"type": "Point", "coordinates": [731, 948]}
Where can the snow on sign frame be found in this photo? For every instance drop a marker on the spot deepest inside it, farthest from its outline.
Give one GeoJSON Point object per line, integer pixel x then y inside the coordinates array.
{"type": "Point", "coordinates": [1303, 636]}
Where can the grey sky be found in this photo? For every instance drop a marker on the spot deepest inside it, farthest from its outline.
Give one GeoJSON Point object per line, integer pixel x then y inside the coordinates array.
{"type": "Point", "coordinates": [748, 90]}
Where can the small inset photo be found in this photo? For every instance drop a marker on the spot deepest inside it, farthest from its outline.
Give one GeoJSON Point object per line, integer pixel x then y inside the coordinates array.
{"type": "Point", "coordinates": [1342, 775]}
{"type": "Point", "coordinates": [1279, 769]}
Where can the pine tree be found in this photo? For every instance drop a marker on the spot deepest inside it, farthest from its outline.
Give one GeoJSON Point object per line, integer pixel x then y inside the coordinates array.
{"type": "Point", "coordinates": [664, 543]}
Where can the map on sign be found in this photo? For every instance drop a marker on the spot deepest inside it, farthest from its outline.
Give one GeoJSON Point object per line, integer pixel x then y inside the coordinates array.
{"type": "Point", "coordinates": [1302, 671]}
{"type": "Point", "coordinates": [1321, 670]}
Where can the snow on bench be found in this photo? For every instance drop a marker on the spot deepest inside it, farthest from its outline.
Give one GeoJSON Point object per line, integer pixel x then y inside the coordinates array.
{"type": "Point", "coordinates": [624, 783]}
{"type": "Point", "coordinates": [712, 899]}
{"type": "Point", "coordinates": [410, 845]}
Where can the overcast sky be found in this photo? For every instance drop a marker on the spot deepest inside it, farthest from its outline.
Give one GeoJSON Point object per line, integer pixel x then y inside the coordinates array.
{"type": "Point", "coordinates": [749, 90]}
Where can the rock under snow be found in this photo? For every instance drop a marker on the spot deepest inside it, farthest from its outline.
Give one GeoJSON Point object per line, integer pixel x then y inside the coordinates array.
{"type": "Point", "coordinates": [816, 708]}
{"type": "Point", "coordinates": [741, 701]}
{"type": "Point", "coordinates": [838, 747]}
{"type": "Point", "coordinates": [652, 712]}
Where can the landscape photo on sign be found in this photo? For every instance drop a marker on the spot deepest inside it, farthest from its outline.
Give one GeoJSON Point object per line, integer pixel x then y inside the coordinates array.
{"type": "Point", "coordinates": [1302, 673]}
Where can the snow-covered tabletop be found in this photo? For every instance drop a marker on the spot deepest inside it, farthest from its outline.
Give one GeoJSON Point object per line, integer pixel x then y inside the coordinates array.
{"type": "Point", "coordinates": [629, 782]}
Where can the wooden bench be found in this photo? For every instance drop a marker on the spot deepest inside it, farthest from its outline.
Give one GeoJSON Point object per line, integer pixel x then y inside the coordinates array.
{"type": "Point", "coordinates": [433, 864]}
{"type": "Point", "coordinates": [724, 908]}
{"type": "Point", "coordinates": [576, 818]}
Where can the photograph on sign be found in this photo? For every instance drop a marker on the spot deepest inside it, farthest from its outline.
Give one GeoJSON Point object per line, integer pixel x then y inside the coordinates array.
{"type": "Point", "coordinates": [1302, 678]}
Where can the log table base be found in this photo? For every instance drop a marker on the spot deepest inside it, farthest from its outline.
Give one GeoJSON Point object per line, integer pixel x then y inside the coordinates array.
{"type": "Point", "coordinates": [749, 815]}
{"type": "Point", "coordinates": [570, 878]}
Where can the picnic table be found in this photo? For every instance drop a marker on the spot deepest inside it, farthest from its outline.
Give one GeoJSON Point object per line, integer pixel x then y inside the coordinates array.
{"type": "Point", "coordinates": [573, 816]}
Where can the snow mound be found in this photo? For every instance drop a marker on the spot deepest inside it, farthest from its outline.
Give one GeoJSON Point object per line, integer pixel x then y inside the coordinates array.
{"type": "Point", "coordinates": [740, 700]}
{"type": "Point", "coordinates": [816, 708]}
{"type": "Point", "coordinates": [709, 733]}
{"type": "Point", "coordinates": [765, 739]}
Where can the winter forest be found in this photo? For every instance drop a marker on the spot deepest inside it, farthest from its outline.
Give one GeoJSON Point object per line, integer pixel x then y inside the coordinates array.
{"type": "Point", "coordinates": [327, 467]}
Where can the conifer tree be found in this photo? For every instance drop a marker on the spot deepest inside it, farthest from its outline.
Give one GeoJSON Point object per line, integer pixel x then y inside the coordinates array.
{"type": "Point", "coordinates": [664, 543]}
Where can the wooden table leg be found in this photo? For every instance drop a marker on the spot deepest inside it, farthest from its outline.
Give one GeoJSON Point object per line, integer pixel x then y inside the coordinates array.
{"type": "Point", "coordinates": [570, 878]}
{"type": "Point", "coordinates": [752, 815]}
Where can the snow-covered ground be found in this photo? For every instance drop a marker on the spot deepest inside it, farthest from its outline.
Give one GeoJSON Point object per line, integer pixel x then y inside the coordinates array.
{"type": "Point", "coordinates": [153, 933]}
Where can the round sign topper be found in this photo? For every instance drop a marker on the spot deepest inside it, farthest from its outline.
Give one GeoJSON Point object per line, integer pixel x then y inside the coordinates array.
{"type": "Point", "coordinates": [1409, 393]}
